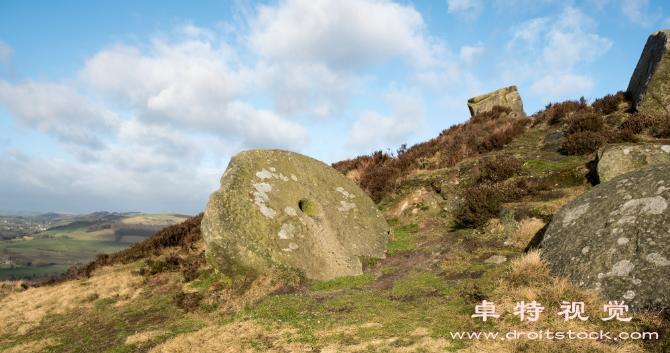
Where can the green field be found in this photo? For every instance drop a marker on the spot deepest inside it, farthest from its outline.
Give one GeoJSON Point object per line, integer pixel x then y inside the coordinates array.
{"type": "Point", "coordinates": [73, 244]}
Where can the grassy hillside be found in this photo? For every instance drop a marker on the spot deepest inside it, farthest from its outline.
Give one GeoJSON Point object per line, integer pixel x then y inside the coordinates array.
{"type": "Point", "coordinates": [161, 296]}
{"type": "Point", "coordinates": [49, 253]}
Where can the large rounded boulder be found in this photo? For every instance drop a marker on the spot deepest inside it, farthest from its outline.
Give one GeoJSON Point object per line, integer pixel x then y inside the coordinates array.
{"type": "Point", "coordinates": [284, 210]}
{"type": "Point", "coordinates": [615, 239]}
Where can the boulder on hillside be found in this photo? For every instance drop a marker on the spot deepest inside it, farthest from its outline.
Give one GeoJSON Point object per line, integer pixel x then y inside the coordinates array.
{"type": "Point", "coordinates": [618, 160]}
{"type": "Point", "coordinates": [614, 239]}
{"type": "Point", "coordinates": [650, 84]}
{"type": "Point", "coordinates": [279, 209]}
{"type": "Point", "coordinates": [508, 97]}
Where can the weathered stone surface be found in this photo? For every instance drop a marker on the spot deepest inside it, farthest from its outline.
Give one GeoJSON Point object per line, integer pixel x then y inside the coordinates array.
{"type": "Point", "coordinates": [511, 221]}
{"type": "Point", "coordinates": [496, 259]}
{"type": "Point", "coordinates": [449, 192]}
{"type": "Point", "coordinates": [279, 209]}
{"type": "Point", "coordinates": [650, 83]}
{"type": "Point", "coordinates": [508, 97]}
{"type": "Point", "coordinates": [617, 160]}
{"type": "Point", "coordinates": [553, 141]}
{"type": "Point", "coordinates": [615, 239]}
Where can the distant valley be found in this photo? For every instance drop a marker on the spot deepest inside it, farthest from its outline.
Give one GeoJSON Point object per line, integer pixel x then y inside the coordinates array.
{"type": "Point", "coordinates": [36, 246]}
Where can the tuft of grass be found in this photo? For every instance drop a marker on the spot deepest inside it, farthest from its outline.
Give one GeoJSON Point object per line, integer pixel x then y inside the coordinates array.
{"type": "Point", "coordinates": [393, 221]}
{"type": "Point", "coordinates": [344, 282]}
{"type": "Point", "coordinates": [529, 269]}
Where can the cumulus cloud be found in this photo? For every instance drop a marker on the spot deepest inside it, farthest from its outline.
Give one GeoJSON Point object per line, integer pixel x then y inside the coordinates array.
{"type": "Point", "coordinates": [58, 110]}
{"type": "Point", "coordinates": [343, 34]}
{"type": "Point", "coordinates": [377, 131]}
{"type": "Point", "coordinates": [560, 43]}
{"type": "Point", "coordinates": [189, 85]}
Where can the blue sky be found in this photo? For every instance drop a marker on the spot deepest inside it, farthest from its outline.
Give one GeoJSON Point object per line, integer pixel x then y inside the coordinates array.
{"type": "Point", "coordinates": [138, 106]}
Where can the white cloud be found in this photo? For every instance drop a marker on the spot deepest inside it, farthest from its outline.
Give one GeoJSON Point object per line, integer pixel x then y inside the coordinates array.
{"type": "Point", "coordinates": [468, 8]}
{"type": "Point", "coordinates": [551, 51]}
{"type": "Point", "coordinates": [569, 41]}
{"type": "Point", "coordinates": [191, 86]}
{"type": "Point", "coordinates": [58, 110]}
{"type": "Point", "coordinates": [636, 11]}
{"type": "Point", "coordinates": [557, 87]}
{"type": "Point", "coordinates": [470, 55]}
{"type": "Point", "coordinates": [378, 131]}
{"type": "Point", "coordinates": [343, 34]}
{"type": "Point", "coordinates": [311, 90]}
{"type": "Point", "coordinates": [56, 185]}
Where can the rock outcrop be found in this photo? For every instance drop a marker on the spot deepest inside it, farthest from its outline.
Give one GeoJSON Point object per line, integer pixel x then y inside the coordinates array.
{"type": "Point", "coordinates": [279, 209]}
{"type": "Point", "coordinates": [617, 160]}
{"type": "Point", "coordinates": [614, 239]}
{"type": "Point", "coordinates": [650, 84]}
{"type": "Point", "coordinates": [508, 97]}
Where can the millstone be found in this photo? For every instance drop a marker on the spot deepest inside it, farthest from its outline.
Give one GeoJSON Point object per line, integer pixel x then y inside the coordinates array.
{"type": "Point", "coordinates": [279, 209]}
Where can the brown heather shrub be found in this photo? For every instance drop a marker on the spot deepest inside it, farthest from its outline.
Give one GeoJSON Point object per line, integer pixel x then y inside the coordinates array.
{"type": "Point", "coordinates": [556, 112]}
{"type": "Point", "coordinates": [638, 122]}
{"type": "Point", "coordinates": [187, 301]}
{"type": "Point", "coordinates": [610, 103]}
{"type": "Point", "coordinates": [490, 115]}
{"type": "Point", "coordinates": [481, 203]}
{"type": "Point", "coordinates": [484, 132]}
{"type": "Point", "coordinates": [184, 235]}
{"type": "Point", "coordinates": [498, 169]}
{"type": "Point", "coordinates": [582, 143]}
{"type": "Point", "coordinates": [621, 136]}
{"type": "Point", "coordinates": [585, 121]}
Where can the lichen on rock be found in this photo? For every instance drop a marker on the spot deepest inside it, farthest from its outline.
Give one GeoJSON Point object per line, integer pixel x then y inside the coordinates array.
{"type": "Point", "coordinates": [617, 160]}
{"type": "Point", "coordinates": [507, 97]}
{"type": "Point", "coordinates": [615, 238]}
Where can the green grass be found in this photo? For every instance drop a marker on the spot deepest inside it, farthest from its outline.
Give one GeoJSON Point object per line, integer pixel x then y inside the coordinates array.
{"type": "Point", "coordinates": [418, 284]}
{"type": "Point", "coordinates": [45, 271]}
{"type": "Point", "coordinates": [403, 238]}
{"type": "Point", "coordinates": [343, 282]}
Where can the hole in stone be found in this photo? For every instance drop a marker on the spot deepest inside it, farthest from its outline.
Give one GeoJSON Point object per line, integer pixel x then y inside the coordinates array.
{"type": "Point", "coordinates": [309, 207]}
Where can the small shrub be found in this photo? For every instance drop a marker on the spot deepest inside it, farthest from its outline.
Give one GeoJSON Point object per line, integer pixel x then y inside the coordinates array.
{"type": "Point", "coordinates": [585, 121]}
{"type": "Point", "coordinates": [493, 114]}
{"type": "Point", "coordinates": [638, 122]}
{"type": "Point", "coordinates": [582, 143]}
{"type": "Point", "coordinates": [610, 103]}
{"type": "Point", "coordinates": [482, 203]}
{"type": "Point", "coordinates": [190, 267]}
{"type": "Point", "coordinates": [555, 113]}
{"type": "Point", "coordinates": [187, 301]}
{"type": "Point", "coordinates": [499, 169]}
{"type": "Point", "coordinates": [620, 136]}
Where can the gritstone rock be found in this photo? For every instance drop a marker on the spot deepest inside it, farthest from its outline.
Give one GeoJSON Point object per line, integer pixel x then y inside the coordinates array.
{"type": "Point", "coordinates": [622, 159]}
{"type": "Point", "coordinates": [279, 209]}
{"type": "Point", "coordinates": [508, 97]}
{"type": "Point", "coordinates": [614, 239]}
{"type": "Point", "coordinates": [650, 83]}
